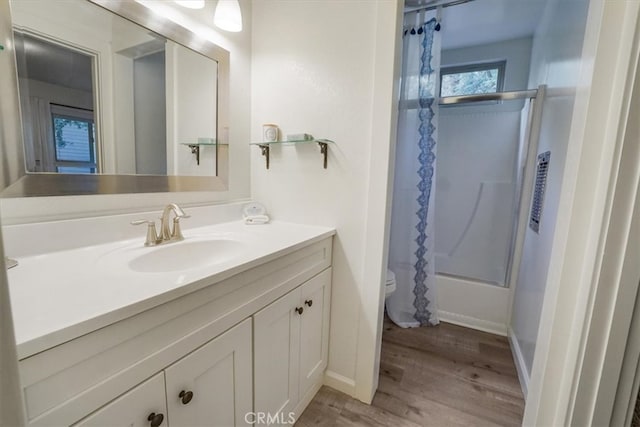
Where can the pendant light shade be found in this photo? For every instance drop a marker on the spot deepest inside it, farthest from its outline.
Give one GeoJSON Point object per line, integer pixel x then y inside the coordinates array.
{"type": "Point", "coordinates": [228, 16]}
{"type": "Point", "coordinates": [191, 4]}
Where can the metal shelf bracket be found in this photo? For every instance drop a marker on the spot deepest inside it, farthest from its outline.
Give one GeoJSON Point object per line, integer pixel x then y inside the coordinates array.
{"type": "Point", "coordinates": [265, 152]}
{"type": "Point", "coordinates": [324, 149]}
{"type": "Point", "coordinates": [195, 149]}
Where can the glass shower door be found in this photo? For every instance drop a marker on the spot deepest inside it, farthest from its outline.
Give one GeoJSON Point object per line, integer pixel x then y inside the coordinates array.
{"type": "Point", "coordinates": [481, 152]}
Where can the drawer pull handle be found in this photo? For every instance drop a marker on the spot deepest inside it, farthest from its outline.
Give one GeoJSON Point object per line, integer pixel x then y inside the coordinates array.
{"type": "Point", "coordinates": [185, 396]}
{"type": "Point", "coordinates": [155, 419]}
{"type": "Point", "coordinates": [309, 302]}
{"type": "Point", "coordinates": [299, 310]}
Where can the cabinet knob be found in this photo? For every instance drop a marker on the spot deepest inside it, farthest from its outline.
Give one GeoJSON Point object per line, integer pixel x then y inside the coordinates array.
{"type": "Point", "coordinates": [155, 419]}
{"type": "Point", "coordinates": [309, 302]}
{"type": "Point", "coordinates": [299, 310]}
{"type": "Point", "coordinates": [185, 396]}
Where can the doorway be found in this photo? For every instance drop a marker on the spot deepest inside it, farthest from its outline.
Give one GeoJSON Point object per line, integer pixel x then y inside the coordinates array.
{"type": "Point", "coordinates": [57, 102]}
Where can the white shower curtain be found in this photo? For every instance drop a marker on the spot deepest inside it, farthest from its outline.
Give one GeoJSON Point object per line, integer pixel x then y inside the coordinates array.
{"type": "Point", "coordinates": [412, 249]}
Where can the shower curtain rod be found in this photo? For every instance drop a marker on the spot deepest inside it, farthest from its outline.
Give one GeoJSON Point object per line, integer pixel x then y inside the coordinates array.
{"type": "Point", "coordinates": [439, 4]}
{"type": "Point", "coordinates": [498, 96]}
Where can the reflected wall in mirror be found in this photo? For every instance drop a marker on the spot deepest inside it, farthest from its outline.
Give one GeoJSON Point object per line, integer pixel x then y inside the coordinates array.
{"type": "Point", "coordinates": [101, 95]}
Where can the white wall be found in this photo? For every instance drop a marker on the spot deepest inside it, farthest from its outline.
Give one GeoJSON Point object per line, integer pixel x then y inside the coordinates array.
{"type": "Point", "coordinates": [22, 210]}
{"type": "Point", "coordinates": [578, 258]}
{"type": "Point", "coordinates": [556, 62]}
{"type": "Point", "coordinates": [318, 73]}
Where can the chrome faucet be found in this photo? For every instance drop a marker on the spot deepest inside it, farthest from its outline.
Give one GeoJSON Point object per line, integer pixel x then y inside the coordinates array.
{"type": "Point", "coordinates": [167, 233]}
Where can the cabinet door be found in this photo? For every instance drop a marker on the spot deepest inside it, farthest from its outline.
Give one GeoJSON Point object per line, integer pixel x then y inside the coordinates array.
{"type": "Point", "coordinates": [276, 342]}
{"type": "Point", "coordinates": [314, 330]}
{"type": "Point", "coordinates": [213, 385]}
{"type": "Point", "coordinates": [134, 408]}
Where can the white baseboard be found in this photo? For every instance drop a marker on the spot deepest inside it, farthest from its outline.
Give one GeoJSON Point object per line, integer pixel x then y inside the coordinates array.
{"type": "Point", "coordinates": [340, 383]}
{"type": "Point", "coordinates": [521, 366]}
{"type": "Point", "coordinates": [473, 323]}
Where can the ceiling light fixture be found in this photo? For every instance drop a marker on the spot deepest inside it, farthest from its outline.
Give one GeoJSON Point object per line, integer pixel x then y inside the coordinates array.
{"type": "Point", "coordinates": [191, 4]}
{"type": "Point", "coordinates": [228, 16]}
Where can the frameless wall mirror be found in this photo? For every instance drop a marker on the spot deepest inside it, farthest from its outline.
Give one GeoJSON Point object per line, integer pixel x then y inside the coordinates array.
{"type": "Point", "coordinates": [116, 99]}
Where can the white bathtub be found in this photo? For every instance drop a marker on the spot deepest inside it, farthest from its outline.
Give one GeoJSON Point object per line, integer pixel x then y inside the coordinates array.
{"type": "Point", "coordinates": [473, 304]}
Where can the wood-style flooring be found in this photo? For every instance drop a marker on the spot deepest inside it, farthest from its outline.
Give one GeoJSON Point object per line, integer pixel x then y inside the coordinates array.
{"type": "Point", "coordinates": [440, 376]}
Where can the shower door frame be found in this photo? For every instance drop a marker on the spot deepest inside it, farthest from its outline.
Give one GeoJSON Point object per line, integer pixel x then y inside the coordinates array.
{"type": "Point", "coordinates": [496, 96]}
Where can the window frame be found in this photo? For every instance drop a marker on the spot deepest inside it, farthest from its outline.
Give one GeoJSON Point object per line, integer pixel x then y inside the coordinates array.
{"type": "Point", "coordinates": [476, 66]}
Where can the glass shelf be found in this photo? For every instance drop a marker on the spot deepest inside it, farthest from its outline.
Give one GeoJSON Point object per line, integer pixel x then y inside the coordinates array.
{"type": "Point", "coordinates": [200, 142]}
{"type": "Point", "coordinates": [323, 143]}
{"type": "Point", "coordinates": [301, 141]}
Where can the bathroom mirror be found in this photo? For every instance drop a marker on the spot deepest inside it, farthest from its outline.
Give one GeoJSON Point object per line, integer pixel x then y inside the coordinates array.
{"type": "Point", "coordinates": [116, 99]}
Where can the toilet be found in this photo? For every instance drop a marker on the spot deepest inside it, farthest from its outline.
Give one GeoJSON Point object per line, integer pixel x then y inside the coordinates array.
{"type": "Point", "coordinates": [390, 284]}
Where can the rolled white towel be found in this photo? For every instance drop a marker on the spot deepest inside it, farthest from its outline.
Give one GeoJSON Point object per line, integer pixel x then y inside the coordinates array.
{"type": "Point", "coordinates": [256, 219]}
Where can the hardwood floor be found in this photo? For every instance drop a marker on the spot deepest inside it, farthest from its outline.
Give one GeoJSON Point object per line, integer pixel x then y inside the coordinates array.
{"type": "Point", "coordinates": [441, 376]}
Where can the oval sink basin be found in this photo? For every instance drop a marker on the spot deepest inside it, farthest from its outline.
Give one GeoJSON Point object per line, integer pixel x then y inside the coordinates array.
{"type": "Point", "coordinates": [185, 255]}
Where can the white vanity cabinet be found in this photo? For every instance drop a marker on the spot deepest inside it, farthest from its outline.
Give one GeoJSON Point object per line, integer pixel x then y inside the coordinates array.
{"type": "Point", "coordinates": [200, 358]}
{"type": "Point", "coordinates": [212, 386]}
{"type": "Point", "coordinates": [291, 338]}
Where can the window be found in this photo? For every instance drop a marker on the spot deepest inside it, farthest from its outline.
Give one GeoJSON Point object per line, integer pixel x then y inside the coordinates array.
{"type": "Point", "coordinates": [472, 79]}
{"type": "Point", "coordinates": [74, 140]}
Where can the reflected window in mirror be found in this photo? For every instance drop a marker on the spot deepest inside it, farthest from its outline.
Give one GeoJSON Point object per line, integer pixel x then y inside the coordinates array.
{"type": "Point", "coordinates": [73, 140]}
{"type": "Point", "coordinates": [57, 103]}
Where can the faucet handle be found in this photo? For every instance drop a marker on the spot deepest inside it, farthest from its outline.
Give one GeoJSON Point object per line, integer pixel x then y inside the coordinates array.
{"type": "Point", "coordinates": [143, 221]}
{"type": "Point", "coordinates": [152, 235]}
{"type": "Point", "coordinates": [176, 233]}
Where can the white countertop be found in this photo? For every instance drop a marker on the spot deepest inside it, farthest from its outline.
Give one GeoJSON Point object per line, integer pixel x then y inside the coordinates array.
{"type": "Point", "coordinates": [59, 296]}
